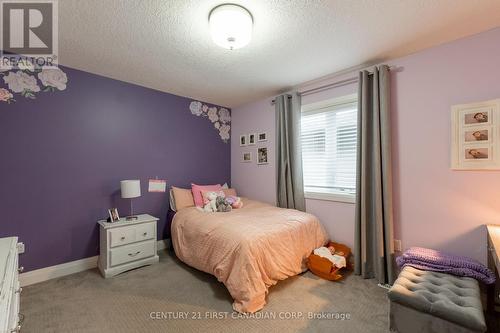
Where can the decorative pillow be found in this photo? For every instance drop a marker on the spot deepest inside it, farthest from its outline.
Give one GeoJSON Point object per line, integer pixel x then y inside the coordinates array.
{"type": "Point", "coordinates": [182, 198]}
{"type": "Point", "coordinates": [198, 189]}
{"type": "Point", "coordinates": [172, 200]}
{"type": "Point", "coordinates": [230, 192]}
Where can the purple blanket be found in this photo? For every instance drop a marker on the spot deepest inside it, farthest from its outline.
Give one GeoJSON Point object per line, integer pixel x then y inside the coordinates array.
{"type": "Point", "coordinates": [432, 260]}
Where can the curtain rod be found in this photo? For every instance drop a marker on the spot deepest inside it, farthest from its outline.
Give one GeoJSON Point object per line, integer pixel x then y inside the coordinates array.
{"type": "Point", "coordinates": [336, 84]}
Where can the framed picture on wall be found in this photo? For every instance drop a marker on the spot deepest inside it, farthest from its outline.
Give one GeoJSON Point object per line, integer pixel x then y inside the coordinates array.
{"type": "Point", "coordinates": [261, 137]}
{"type": "Point", "coordinates": [262, 156]}
{"type": "Point", "coordinates": [246, 157]}
{"type": "Point", "coordinates": [252, 138]}
{"type": "Point", "coordinates": [243, 140]}
{"type": "Point", "coordinates": [475, 136]}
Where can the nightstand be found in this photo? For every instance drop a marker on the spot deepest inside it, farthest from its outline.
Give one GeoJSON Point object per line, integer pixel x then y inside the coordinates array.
{"type": "Point", "coordinates": [125, 245]}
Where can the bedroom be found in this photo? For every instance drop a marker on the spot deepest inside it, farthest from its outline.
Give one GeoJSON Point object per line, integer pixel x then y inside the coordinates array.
{"type": "Point", "coordinates": [311, 121]}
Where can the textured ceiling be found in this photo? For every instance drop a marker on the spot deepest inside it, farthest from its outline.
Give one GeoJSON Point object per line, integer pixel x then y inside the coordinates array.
{"type": "Point", "coordinates": [165, 44]}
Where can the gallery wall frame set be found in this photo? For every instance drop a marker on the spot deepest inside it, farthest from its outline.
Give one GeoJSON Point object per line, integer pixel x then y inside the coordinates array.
{"type": "Point", "coordinates": [252, 138]}
{"type": "Point", "coordinates": [475, 136]}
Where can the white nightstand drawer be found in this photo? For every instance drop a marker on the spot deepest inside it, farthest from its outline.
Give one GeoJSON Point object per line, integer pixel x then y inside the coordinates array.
{"type": "Point", "coordinates": [127, 244]}
{"type": "Point", "coordinates": [122, 236]}
{"type": "Point", "coordinates": [132, 252]}
{"type": "Point", "coordinates": [145, 231]}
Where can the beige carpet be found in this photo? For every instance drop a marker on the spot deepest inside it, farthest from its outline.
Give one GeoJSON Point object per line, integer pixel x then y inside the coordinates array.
{"type": "Point", "coordinates": [86, 302]}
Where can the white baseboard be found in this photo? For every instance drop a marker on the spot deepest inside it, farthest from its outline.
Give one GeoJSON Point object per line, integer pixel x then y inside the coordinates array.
{"type": "Point", "coordinates": [52, 272]}
{"type": "Point", "coordinates": [72, 267]}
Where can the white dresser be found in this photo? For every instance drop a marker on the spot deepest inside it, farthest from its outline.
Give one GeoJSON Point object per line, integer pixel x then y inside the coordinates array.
{"type": "Point", "coordinates": [125, 245]}
{"type": "Point", "coordinates": [10, 318]}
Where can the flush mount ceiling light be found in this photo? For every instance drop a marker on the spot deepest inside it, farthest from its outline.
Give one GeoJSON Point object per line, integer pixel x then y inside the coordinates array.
{"type": "Point", "coordinates": [230, 26]}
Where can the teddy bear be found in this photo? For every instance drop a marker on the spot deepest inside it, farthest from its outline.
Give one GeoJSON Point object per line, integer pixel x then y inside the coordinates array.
{"type": "Point", "coordinates": [222, 205]}
{"type": "Point", "coordinates": [210, 202]}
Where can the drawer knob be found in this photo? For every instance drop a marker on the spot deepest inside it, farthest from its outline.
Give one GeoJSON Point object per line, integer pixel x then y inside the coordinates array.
{"type": "Point", "coordinates": [134, 254]}
{"type": "Point", "coordinates": [122, 238]}
{"type": "Point", "coordinates": [20, 269]}
{"type": "Point", "coordinates": [145, 234]}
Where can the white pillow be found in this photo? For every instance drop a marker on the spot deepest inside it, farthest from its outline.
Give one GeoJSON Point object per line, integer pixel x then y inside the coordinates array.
{"type": "Point", "coordinates": [172, 201]}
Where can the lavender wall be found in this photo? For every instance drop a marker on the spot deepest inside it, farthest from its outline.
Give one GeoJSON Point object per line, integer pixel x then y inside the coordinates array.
{"type": "Point", "coordinates": [434, 206]}
{"type": "Point", "coordinates": [64, 154]}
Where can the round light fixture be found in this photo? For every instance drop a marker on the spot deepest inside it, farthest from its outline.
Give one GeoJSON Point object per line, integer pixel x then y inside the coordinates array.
{"type": "Point", "coordinates": [230, 26]}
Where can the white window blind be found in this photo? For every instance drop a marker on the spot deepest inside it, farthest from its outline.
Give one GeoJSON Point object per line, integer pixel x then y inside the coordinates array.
{"type": "Point", "coordinates": [329, 146]}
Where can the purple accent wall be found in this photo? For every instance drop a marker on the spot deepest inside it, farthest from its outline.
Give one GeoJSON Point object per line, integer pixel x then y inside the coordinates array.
{"type": "Point", "coordinates": [64, 154]}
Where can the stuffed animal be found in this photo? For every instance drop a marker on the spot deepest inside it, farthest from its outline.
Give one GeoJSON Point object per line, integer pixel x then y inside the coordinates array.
{"type": "Point", "coordinates": [222, 205]}
{"type": "Point", "coordinates": [325, 262]}
{"type": "Point", "coordinates": [235, 202]}
{"type": "Point", "coordinates": [210, 199]}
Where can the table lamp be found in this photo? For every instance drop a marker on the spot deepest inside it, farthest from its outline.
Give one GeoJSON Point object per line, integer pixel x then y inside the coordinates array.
{"type": "Point", "coordinates": [131, 189]}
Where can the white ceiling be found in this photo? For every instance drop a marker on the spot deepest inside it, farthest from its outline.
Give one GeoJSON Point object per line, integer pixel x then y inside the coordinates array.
{"type": "Point", "coordinates": [165, 44]}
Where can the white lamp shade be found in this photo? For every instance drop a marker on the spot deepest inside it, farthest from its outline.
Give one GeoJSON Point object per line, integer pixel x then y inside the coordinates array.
{"type": "Point", "coordinates": [230, 26]}
{"type": "Point", "coordinates": [130, 188]}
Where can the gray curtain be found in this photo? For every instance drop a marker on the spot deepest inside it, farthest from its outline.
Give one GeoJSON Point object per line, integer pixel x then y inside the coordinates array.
{"type": "Point", "coordinates": [290, 183]}
{"type": "Point", "coordinates": [374, 249]}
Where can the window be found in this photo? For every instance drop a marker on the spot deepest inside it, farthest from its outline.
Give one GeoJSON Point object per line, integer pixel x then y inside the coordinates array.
{"type": "Point", "coordinates": [329, 149]}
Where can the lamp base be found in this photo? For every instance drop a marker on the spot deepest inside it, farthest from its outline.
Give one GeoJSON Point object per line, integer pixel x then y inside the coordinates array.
{"type": "Point", "coordinates": [131, 218]}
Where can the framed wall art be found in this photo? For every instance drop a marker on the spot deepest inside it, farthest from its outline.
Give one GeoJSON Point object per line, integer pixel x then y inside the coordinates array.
{"type": "Point", "coordinates": [243, 140]}
{"type": "Point", "coordinates": [475, 136]}
{"type": "Point", "coordinates": [262, 156]}
{"type": "Point", "coordinates": [246, 157]}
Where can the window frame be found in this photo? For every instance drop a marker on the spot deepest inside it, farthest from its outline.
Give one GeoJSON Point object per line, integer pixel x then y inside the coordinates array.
{"type": "Point", "coordinates": [316, 107]}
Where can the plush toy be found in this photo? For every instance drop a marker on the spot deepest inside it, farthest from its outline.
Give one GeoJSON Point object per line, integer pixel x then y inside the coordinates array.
{"type": "Point", "coordinates": [235, 202]}
{"type": "Point", "coordinates": [326, 262]}
{"type": "Point", "coordinates": [210, 201]}
{"type": "Point", "coordinates": [222, 205]}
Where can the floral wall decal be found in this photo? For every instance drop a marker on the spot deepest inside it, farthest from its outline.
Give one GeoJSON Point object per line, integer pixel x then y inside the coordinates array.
{"type": "Point", "coordinates": [219, 116]}
{"type": "Point", "coordinates": [28, 80]}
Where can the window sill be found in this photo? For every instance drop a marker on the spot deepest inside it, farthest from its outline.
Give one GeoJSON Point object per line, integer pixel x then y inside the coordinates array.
{"type": "Point", "coordinates": [338, 197]}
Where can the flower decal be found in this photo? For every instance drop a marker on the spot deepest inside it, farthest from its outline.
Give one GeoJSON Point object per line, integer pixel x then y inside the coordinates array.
{"type": "Point", "coordinates": [220, 117]}
{"type": "Point", "coordinates": [224, 115]}
{"type": "Point", "coordinates": [6, 96]}
{"type": "Point", "coordinates": [20, 82]}
{"type": "Point", "coordinates": [224, 132]}
{"type": "Point", "coordinates": [195, 108]}
{"type": "Point", "coordinates": [24, 79]}
{"type": "Point", "coordinates": [53, 78]}
{"type": "Point", "coordinates": [212, 114]}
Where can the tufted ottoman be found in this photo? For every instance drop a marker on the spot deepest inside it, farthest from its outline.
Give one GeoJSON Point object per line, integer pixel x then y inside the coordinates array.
{"type": "Point", "coordinates": [424, 301]}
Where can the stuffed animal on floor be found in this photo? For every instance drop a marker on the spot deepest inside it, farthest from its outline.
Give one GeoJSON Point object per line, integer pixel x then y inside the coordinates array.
{"type": "Point", "coordinates": [327, 261]}
{"type": "Point", "coordinates": [222, 205]}
{"type": "Point", "coordinates": [235, 202]}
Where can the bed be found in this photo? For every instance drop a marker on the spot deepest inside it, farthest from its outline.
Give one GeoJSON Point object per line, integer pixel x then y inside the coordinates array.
{"type": "Point", "coordinates": [248, 249]}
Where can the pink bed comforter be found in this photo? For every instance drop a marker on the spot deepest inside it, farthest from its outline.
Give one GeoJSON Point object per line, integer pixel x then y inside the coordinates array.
{"type": "Point", "coordinates": [247, 249]}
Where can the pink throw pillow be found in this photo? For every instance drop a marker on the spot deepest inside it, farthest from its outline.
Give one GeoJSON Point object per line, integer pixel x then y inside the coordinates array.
{"type": "Point", "coordinates": [198, 189]}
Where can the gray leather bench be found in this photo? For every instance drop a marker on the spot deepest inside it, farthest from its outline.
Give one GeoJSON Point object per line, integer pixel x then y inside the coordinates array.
{"type": "Point", "coordinates": [424, 301]}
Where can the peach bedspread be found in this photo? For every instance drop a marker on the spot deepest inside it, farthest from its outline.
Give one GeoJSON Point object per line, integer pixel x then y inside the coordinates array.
{"type": "Point", "coordinates": [247, 249]}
